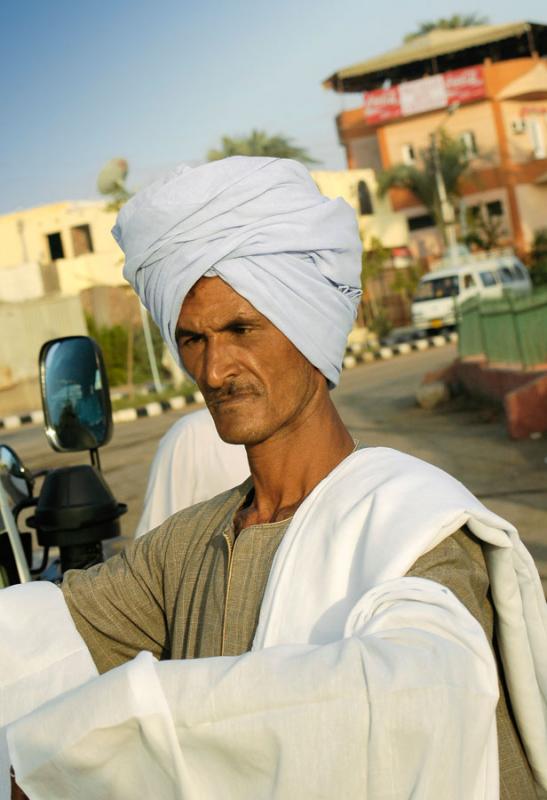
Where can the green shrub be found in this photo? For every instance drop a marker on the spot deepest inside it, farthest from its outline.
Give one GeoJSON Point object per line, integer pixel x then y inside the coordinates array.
{"type": "Point", "coordinates": [381, 325]}
{"type": "Point", "coordinates": [113, 342]}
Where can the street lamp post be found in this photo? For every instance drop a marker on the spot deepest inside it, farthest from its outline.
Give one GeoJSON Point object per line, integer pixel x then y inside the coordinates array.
{"type": "Point", "coordinates": [150, 350]}
{"type": "Point", "coordinates": [448, 216]}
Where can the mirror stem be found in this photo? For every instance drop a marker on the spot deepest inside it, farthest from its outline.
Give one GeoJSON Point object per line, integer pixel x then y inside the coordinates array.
{"type": "Point", "coordinates": [95, 460]}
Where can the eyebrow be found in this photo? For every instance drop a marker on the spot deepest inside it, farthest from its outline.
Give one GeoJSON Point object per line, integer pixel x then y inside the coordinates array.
{"type": "Point", "coordinates": [239, 319]}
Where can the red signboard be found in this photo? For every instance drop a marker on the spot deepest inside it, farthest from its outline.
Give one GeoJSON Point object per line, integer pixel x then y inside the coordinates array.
{"type": "Point", "coordinates": [382, 104]}
{"type": "Point", "coordinates": [416, 97]}
{"type": "Point", "coordinates": [464, 85]}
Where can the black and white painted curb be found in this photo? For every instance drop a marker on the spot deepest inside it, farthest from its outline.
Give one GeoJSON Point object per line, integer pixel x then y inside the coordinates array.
{"type": "Point", "coordinates": [360, 354]}
{"type": "Point", "coordinates": [356, 354]}
{"type": "Point", "coordinates": [155, 409]}
{"type": "Point", "coordinates": [16, 420]}
{"type": "Point", "coordinates": [123, 415]}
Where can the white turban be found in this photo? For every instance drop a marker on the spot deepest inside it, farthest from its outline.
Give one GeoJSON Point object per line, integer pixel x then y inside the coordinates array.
{"type": "Point", "coordinates": [261, 225]}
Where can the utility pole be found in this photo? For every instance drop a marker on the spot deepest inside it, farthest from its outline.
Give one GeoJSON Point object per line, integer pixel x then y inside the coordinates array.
{"type": "Point", "coordinates": [150, 350]}
{"type": "Point", "coordinates": [448, 216]}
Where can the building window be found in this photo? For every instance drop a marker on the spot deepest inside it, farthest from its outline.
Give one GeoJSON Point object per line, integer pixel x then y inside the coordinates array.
{"type": "Point", "coordinates": [518, 125]}
{"type": "Point", "coordinates": [538, 140]}
{"type": "Point", "coordinates": [365, 203]}
{"type": "Point", "coordinates": [422, 221]}
{"type": "Point", "coordinates": [409, 155]}
{"type": "Point", "coordinates": [495, 208]}
{"type": "Point", "coordinates": [81, 240]}
{"type": "Point", "coordinates": [55, 245]}
{"type": "Point", "coordinates": [467, 138]}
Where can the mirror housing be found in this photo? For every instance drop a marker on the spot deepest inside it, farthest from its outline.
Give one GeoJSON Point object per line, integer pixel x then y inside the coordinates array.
{"type": "Point", "coordinates": [75, 395]}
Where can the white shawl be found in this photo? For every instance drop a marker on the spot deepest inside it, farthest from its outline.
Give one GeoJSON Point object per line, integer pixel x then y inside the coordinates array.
{"type": "Point", "coordinates": [191, 464]}
{"type": "Point", "coordinates": [361, 683]}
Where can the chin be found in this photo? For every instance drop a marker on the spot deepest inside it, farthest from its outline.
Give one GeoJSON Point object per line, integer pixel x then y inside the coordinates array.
{"type": "Point", "coordinates": [239, 434]}
{"type": "Point", "coordinates": [238, 429]}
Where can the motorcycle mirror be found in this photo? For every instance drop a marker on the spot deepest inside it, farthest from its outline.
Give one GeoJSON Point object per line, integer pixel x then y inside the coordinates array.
{"type": "Point", "coordinates": [16, 478]}
{"type": "Point", "coordinates": [75, 396]}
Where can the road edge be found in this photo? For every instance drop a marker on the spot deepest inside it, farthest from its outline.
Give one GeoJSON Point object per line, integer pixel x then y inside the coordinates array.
{"type": "Point", "coordinates": [355, 356]}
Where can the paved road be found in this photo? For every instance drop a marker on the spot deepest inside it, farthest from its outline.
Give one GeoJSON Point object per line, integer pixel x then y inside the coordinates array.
{"type": "Point", "coordinates": [377, 403]}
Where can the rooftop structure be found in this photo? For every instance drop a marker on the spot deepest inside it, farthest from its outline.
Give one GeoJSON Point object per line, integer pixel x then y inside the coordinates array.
{"type": "Point", "coordinates": [441, 51]}
{"type": "Point", "coordinates": [486, 86]}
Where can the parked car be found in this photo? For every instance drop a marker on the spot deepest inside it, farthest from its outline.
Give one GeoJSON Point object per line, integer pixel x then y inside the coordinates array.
{"type": "Point", "coordinates": [439, 292]}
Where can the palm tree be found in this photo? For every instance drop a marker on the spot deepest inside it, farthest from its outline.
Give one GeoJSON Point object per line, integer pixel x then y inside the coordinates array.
{"type": "Point", "coordinates": [259, 143]}
{"type": "Point", "coordinates": [447, 24]}
{"type": "Point", "coordinates": [421, 180]}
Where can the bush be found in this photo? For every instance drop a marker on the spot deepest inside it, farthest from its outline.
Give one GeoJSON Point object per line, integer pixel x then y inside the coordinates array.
{"type": "Point", "coordinates": [113, 342]}
{"type": "Point", "coordinates": [381, 325]}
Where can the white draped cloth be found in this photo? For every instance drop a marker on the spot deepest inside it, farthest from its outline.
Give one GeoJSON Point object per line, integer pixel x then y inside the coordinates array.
{"type": "Point", "coordinates": [361, 682]}
{"type": "Point", "coordinates": [191, 464]}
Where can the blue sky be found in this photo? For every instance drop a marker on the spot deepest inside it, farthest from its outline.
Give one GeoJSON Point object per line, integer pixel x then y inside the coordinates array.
{"type": "Point", "coordinates": [160, 82]}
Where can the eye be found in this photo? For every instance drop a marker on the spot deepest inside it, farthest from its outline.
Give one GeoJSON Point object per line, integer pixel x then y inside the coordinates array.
{"type": "Point", "coordinates": [184, 341]}
{"type": "Point", "coordinates": [240, 330]}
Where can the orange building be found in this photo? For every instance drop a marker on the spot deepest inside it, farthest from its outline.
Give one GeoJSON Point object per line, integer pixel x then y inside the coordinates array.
{"type": "Point", "coordinates": [487, 86]}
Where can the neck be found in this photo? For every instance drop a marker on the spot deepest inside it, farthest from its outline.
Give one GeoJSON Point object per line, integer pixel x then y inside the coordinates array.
{"type": "Point", "coordinates": [286, 467]}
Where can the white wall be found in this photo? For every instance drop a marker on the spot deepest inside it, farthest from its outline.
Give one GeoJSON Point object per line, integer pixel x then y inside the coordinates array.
{"type": "Point", "coordinates": [26, 326]}
{"type": "Point", "coordinates": [21, 282]}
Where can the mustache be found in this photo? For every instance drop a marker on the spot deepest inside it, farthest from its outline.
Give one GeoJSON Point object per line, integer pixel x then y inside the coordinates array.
{"type": "Point", "coordinates": [230, 390]}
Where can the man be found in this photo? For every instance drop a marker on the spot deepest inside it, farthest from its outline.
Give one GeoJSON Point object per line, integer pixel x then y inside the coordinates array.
{"type": "Point", "coordinates": [191, 464]}
{"type": "Point", "coordinates": [326, 628]}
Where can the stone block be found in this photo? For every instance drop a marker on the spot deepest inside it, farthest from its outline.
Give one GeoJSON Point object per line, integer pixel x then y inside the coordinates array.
{"type": "Point", "coordinates": [431, 395]}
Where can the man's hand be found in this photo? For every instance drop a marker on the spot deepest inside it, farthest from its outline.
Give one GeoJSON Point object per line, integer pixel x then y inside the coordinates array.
{"type": "Point", "coordinates": [16, 792]}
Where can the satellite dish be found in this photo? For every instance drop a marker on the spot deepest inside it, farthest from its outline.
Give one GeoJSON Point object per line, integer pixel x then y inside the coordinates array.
{"type": "Point", "coordinates": [112, 177]}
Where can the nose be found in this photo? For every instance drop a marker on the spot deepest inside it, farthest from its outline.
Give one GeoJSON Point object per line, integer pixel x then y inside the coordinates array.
{"type": "Point", "coordinates": [218, 364]}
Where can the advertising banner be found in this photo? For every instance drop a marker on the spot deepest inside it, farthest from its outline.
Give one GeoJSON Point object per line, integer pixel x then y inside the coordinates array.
{"type": "Point", "coordinates": [427, 94]}
{"type": "Point", "coordinates": [382, 104]}
{"type": "Point", "coordinates": [464, 85]}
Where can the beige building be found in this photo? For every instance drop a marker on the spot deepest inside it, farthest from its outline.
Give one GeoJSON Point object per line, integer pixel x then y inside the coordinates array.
{"type": "Point", "coordinates": [68, 248]}
{"type": "Point", "coordinates": [487, 87]}
{"type": "Point", "coordinates": [62, 247]}
{"type": "Point", "coordinates": [375, 216]}
{"type": "Point", "coordinates": [49, 256]}
{"type": "Point", "coordinates": [378, 222]}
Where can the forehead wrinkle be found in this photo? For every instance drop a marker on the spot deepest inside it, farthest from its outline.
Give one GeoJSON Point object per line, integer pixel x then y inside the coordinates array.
{"type": "Point", "coordinates": [240, 318]}
{"type": "Point", "coordinates": [227, 319]}
{"type": "Point", "coordinates": [214, 304]}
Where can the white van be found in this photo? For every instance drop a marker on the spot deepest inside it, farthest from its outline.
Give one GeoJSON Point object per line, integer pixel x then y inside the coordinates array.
{"type": "Point", "coordinates": [438, 292]}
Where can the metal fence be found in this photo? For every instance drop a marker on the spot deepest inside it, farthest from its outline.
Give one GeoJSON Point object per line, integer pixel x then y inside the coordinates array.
{"type": "Point", "coordinates": [510, 330]}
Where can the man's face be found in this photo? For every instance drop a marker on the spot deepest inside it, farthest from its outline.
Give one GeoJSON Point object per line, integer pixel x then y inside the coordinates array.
{"type": "Point", "coordinates": [255, 382]}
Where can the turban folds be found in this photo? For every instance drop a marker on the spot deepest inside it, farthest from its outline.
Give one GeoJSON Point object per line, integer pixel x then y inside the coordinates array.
{"type": "Point", "coordinates": [261, 225]}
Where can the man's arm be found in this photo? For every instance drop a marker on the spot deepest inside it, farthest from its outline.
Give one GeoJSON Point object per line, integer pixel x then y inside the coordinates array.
{"type": "Point", "coordinates": [51, 639]}
{"type": "Point", "coordinates": [16, 792]}
{"type": "Point", "coordinates": [41, 656]}
{"type": "Point", "coordinates": [404, 704]}
{"type": "Point", "coordinates": [458, 563]}
{"type": "Point", "coordinates": [118, 606]}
